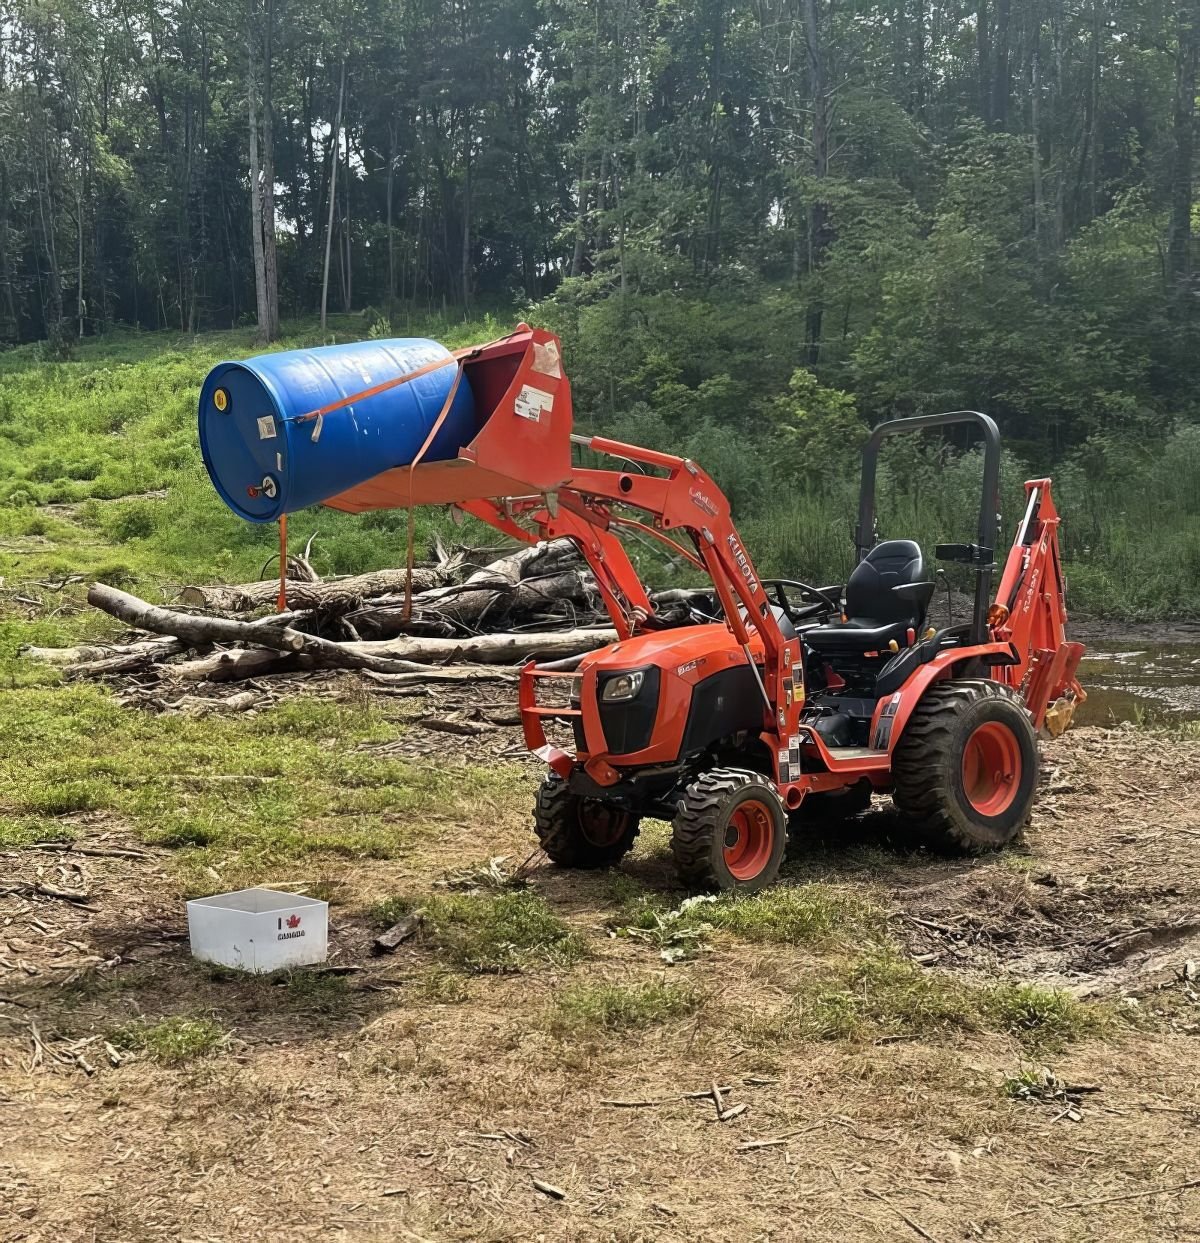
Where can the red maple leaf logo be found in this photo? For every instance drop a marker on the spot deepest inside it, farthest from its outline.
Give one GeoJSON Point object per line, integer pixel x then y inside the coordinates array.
{"type": "Point", "coordinates": [293, 921]}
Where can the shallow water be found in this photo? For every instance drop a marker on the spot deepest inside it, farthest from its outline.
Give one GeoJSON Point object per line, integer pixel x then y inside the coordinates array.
{"type": "Point", "coordinates": [1153, 682]}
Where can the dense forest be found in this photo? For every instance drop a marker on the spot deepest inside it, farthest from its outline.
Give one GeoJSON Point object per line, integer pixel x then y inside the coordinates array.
{"type": "Point", "coordinates": [759, 225]}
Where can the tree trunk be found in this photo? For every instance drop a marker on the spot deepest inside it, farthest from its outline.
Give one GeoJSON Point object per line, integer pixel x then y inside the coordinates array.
{"type": "Point", "coordinates": [53, 307]}
{"type": "Point", "coordinates": [620, 230]}
{"type": "Point", "coordinates": [391, 240]}
{"type": "Point", "coordinates": [581, 198]}
{"type": "Point", "coordinates": [1000, 84]}
{"type": "Point", "coordinates": [334, 142]}
{"type": "Point", "coordinates": [1179, 246]}
{"type": "Point", "coordinates": [270, 261]}
{"type": "Point", "coordinates": [9, 326]}
{"type": "Point", "coordinates": [345, 252]}
{"type": "Point", "coordinates": [983, 51]}
{"type": "Point", "coordinates": [817, 225]}
{"type": "Point", "coordinates": [262, 306]}
{"type": "Point", "coordinates": [466, 218]}
{"type": "Point", "coordinates": [79, 259]}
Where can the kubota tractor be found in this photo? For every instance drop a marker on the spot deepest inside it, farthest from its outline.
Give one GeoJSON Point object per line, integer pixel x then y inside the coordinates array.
{"type": "Point", "coordinates": [794, 703]}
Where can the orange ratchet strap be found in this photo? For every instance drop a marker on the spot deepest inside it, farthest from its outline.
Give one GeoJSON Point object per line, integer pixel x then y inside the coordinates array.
{"type": "Point", "coordinates": [343, 402]}
{"type": "Point", "coordinates": [412, 466]}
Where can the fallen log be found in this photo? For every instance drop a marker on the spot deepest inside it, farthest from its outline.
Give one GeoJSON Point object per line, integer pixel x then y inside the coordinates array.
{"type": "Point", "coordinates": [206, 705]}
{"type": "Point", "coordinates": [470, 601]}
{"type": "Point", "coordinates": [197, 631]}
{"type": "Point", "coordinates": [383, 656]}
{"type": "Point", "coordinates": [236, 664]}
{"type": "Point", "coordinates": [473, 603]}
{"type": "Point", "coordinates": [439, 674]}
{"type": "Point", "coordinates": [335, 595]}
{"type": "Point", "coordinates": [140, 656]}
{"type": "Point", "coordinates": [87, 652]}
{"type": "Point", "coordinates": [484, 649]}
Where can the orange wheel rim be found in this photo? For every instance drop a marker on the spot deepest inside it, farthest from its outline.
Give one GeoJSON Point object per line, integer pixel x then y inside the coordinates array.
{"type": "Point", "coordinates": [749, 837]}
{"type": "Point", "coordinates": [601, 824]}
{"type": "Point", "coordinates": [991, 769]}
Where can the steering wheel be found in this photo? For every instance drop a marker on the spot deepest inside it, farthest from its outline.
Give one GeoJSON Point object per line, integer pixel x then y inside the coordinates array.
{"type": "Point", "coordinates": [823, 604]}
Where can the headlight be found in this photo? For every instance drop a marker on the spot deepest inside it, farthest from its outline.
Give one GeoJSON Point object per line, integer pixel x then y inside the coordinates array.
{"type": "Point", "coordinates": [623, 686]}
{"type": "Point", "coordinates": [576, 688]}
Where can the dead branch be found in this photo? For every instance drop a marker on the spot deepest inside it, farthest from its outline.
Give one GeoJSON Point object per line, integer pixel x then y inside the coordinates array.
{"type": "Point", "coordinates": [140, 656]}
{"type": "Point", "coordinates": [387, 942]}
{"type": "Point", "coordinates": [422, 674]}
{"type": "Point", "coordinates": [197, 631]}
{"type": "Point", "coordinates": [239, 663]}
{"type": "Point", "coordinates": [87, 653]}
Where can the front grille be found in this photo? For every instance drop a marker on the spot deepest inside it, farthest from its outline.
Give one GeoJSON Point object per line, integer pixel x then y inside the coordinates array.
{"type": "Point", "coordinates": [628, 724]}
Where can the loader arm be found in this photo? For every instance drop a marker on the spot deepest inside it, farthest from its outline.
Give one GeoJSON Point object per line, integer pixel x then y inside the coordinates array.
{"type": "Point", "coordinates": [683, 499]}
{"type": "Point", "coordinates": [1030, 612]}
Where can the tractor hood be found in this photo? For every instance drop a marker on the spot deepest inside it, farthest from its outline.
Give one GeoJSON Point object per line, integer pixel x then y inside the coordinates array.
{"type": "Point", "coordinates": [682, 651]}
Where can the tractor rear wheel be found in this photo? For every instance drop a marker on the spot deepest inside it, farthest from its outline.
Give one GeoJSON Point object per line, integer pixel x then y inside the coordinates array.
{"type": "Point", "coordinates": [729, 831]}
{"type": "Point", "coordinates": [966, 767]}
{"type": "Point", "coordinates": [579, 832]}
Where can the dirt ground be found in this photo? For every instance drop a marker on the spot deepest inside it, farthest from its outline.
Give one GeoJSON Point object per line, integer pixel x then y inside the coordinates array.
{"type": "Point", "coordinates": [382, 1111]}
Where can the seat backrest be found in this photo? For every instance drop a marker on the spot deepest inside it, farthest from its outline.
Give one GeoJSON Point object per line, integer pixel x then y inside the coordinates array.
{"type": "Point", "coordinates": [869, 593]}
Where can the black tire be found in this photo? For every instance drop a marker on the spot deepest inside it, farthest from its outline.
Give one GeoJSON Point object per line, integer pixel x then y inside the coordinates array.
{"type": "Point", "coordinates": [965, 770]}
{"type": "Point", "coordinates": [729, 831]}
{"type": "Point", "coordinates": [830, 808]}
{"type": "Point", "coordinates": [581, 832]}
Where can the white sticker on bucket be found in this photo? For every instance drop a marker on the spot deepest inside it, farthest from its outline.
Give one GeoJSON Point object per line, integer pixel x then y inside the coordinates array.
{"type": "Point", "coordinates": [532, 401]}
{"type": "Point", "coordinates": [266, 427]}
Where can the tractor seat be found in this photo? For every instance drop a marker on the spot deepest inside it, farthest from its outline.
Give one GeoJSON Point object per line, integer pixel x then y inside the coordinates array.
{"type": "Point", "coordinates": [876, 613]}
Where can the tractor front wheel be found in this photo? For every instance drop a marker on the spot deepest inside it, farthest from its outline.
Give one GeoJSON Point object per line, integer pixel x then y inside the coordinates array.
{"type": "Point", "coordinates": [729, 831]}
{"type": "Point", "coordinates": [579, 832]}
{"type": "Point", "coordinates": [965, 769]}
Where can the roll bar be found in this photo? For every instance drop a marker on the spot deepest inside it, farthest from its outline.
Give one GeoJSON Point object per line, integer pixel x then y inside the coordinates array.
{"type": "Point", "coordinates": [982, 554]}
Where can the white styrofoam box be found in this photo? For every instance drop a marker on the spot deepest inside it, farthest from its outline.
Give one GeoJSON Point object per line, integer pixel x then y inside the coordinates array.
{"type": "Point", "coordinates": [259, 929]}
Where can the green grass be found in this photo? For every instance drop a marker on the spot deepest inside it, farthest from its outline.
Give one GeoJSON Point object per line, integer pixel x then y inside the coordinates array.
{"type": "Point", "coordinates": [245, 795]}
{"type": "Point", "coordinates": [589, 1006]}
{"type": "Point", "coordinates": [490, 932]}
{"type": "Point", "coordinates": [172, 1040]}
{"type": "Point", "coordinates": [880, 994]}
{"type": "Point", "coordinates": [817, 913]}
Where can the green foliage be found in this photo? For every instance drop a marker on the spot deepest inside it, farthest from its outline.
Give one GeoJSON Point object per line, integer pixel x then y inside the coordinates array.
{"type": "Point", "coordinates": [808, 914]}
{"type": "Point", "coordinates": [493, 933]}
{"type": "Point", "coordinates": [589, 1006]}
{"type": "Point", "coordinates": [819, 433]}
{"type": "Point", "coordinates": [173, 1040]}
{"type": "Point", "coordinates": [882, 993]}
{"type": "Point", "coordinates": [812, 914]}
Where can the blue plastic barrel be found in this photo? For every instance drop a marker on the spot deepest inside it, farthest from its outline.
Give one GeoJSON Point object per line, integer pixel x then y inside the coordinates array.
{"type": "Point", "coordinates": [265, 463]}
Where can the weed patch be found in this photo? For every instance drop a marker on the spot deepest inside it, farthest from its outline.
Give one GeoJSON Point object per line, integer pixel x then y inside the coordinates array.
{"type": "Point", "coordinates": [799, 914]}
{"type": "Point", "coordinates": [587, 1006]}
{"type": "Point", "coordinates": [172, 1040]}
{"type": "Point", "coordinates": [812, 914]}
{"type": "Point", "coordinates": [503, 932]}
{"type": "Point", "coordinates": [881, 995]}
{"type": "Point", "coordinates": [440, 987]}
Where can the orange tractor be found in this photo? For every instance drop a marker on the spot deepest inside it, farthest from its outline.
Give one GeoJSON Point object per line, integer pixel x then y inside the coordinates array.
{"type": "Point", "coordinates": [782, 704]}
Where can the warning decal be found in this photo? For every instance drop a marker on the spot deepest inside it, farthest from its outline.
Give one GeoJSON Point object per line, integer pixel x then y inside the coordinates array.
{"type": "Point", "coordinates": [266, 427]}
{"type": "Point", "coordinates": [532, 401]}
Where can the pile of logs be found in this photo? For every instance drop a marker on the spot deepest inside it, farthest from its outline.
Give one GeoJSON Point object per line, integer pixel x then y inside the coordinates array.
{"type": "Point", "coordinates": [540, 601]}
